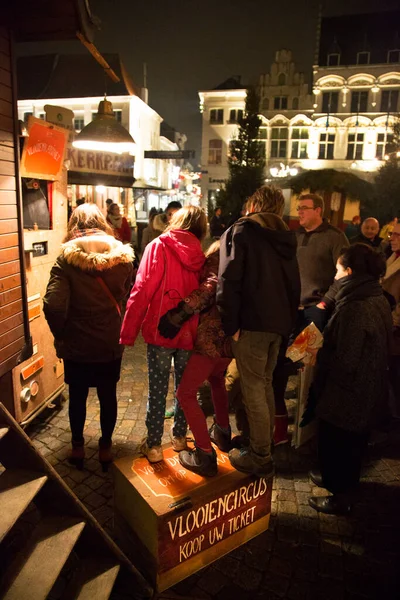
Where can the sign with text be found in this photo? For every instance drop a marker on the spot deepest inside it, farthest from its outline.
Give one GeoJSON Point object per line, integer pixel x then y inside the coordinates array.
{"type": "Point", "coordinates": [186, 521]}
{"type": "Point", "coordinates": [169, 154]}
{"type": "Point", "coordinates": [43, 153]}
{"type": "Point", "coordinates": [93, 168]}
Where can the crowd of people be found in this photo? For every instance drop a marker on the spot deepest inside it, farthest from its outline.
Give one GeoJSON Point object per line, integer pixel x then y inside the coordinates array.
{"type": "Point", "coordinates": [234, 309]}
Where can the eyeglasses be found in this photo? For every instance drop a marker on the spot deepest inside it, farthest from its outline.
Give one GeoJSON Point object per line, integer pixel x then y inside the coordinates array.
{"type": "Point", "coordinates": [301, 208]}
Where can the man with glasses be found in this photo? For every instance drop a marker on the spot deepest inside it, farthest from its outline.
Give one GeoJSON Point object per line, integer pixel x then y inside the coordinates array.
{"type": "Point", "coordinates": [318, 248]}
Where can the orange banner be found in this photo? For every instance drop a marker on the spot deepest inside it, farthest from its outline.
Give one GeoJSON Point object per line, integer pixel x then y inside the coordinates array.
{"type": "Point", "coordinates": [43, 154]}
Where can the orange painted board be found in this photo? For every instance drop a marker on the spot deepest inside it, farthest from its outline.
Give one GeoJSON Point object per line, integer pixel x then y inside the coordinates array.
{"type": "Point", "coordinates": [32, 368]}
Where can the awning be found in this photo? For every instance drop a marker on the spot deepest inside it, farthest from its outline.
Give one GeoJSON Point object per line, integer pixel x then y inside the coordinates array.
{"type": "Point", "coordinates": [79, 178]}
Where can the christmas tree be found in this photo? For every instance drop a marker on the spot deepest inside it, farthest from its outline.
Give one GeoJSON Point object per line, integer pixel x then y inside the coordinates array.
{"type": "Point", "coordinates": [246, 160]}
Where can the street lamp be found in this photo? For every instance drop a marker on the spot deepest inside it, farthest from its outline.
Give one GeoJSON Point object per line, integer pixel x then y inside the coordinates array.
{"type": "Point", "coordinates": [104, 133]}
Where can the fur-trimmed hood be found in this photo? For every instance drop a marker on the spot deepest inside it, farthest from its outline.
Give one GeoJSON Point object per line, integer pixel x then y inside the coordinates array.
{"type": "Point", "coordinates": [96, 252]}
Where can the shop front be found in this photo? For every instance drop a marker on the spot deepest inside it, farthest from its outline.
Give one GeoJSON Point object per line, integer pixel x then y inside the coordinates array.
{"type": "Point", "coordinates": [97, 176]}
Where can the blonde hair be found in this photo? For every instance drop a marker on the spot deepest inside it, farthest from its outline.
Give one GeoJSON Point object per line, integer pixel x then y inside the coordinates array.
{"type": "Point", "coordinates": [190, 218]}
{"type": "Point", "coordinates": [87, 216]}
{"type": "Point", "coordinates": [215, 246]}
{"type": "Point", "coordinates": [267, 198]}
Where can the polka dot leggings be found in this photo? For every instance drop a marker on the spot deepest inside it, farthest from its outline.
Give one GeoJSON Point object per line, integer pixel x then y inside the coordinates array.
{"type": "Point", "coordinates": [159, 365]}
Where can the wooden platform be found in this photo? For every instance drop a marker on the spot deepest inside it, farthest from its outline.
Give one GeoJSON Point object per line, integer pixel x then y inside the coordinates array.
{"type": "Point", "coordinates": [180, 522]}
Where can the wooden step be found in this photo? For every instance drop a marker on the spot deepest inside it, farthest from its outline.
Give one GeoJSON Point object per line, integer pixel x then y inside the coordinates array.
{"type": "Point", "coordinates": [94, 580]}
{"type": "Point", "coordinates": [17, 489]}
{"type": "Point", "coordinates": [3, 431]}
{"type": "Point", "coordinates": [38, 565]}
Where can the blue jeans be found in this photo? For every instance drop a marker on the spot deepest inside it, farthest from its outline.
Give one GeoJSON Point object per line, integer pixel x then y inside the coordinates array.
{"type": "Point", "coordinates": [159, 366]}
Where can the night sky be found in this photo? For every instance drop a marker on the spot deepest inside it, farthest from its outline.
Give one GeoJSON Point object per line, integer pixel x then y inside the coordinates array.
{"type": "Point", "coordinates": [193, 45]}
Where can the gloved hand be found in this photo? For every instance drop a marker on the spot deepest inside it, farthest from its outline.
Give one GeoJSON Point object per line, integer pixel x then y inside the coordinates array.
{"type": "Point", "coordinates": [172, 321]}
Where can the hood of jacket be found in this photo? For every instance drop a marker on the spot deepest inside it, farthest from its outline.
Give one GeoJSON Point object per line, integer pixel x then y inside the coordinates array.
{"type": "Point", "coordinates": [274, 230]}
{"type": "Point", "coordinates": [96, 252]}
{"type": "Point", "coordinates": [354, 287]}
{"type": "Point", "coordinates": [185, 246]}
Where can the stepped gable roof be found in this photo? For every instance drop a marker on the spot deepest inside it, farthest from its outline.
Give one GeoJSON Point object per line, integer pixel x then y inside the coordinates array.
{"type": "Point", "coordinates": [70, 76]}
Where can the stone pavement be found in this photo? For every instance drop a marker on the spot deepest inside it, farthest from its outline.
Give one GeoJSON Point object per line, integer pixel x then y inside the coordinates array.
{"type": "Point", "coordinates": [303, 555]}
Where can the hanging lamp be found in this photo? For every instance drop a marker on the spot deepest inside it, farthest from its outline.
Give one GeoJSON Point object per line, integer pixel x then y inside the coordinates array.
{"type": "Point", "coordinates": [104, 133]}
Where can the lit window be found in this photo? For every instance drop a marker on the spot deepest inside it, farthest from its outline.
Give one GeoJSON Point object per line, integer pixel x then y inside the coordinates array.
{"type": "Point", "coordinates": [262, 133]}
{"type": "Point", "coordinates": [363, 58]}
{"type": "Point", "coordinates": [295, 103]}
{"type": "Point", "coordinates": [326, 145]}
{"type": "Point", "coordinates": [359, 102]}
{"type": "Point", "coordinates": [383, 140]}
{"type": "Point", "coordinates": [118, 115]}
{"type": "Point", "coordinates": [79, 123]}
{"type": "Point", "coordinates": [393, 56]}
{"type": "Point", "coordinates": [280, 102]}
{"type": "Point", "coordinates": [330, 102]}
{"type": "Point", "coordinates": [282, 79]}
{"type": "Point", "coordinates": [299, 142]}
{"type": "Point", "coordinates": [217, 116]}
{"type": "Point", "coordinates": [355, 146]}
{"type": "Point", "coordinates": [215, 152]}
{"type": "Point", "coordinates": [235, 115]}
{"type": "Point", "coordinates": [389, 101]}
{"type": "Point", "coordinates": [333, 59]}
{"type": "Point", "coordinates": [27, 115]}
{"type": "Point", "coordinates": [279, 136]}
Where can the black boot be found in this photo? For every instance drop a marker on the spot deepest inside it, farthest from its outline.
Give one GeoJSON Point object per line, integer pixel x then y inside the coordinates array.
{"type": "Point", "coordinates": [330, 505]}
{"type": "Point", "coordinates": [316, 478]}
{"type": "Point", "coordinates": [220, 438]}
{"type": "Point", "coordinates": [200, 462]}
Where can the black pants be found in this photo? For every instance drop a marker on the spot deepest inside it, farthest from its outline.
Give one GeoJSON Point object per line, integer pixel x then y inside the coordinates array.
{"type": "Point", "coordinates": [107, 394]}
{"type": "Point", "coordinates": [340, 455]}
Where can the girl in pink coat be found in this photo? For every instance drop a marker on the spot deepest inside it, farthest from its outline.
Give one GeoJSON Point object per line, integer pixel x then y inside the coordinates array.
{"type": "Point", "coordinates": [169, 272]}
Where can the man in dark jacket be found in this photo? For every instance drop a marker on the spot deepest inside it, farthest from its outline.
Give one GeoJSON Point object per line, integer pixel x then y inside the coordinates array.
{"type": "Point", "coordinates": [217, 225]}
{"type": "Point", "coordinates": [258, 296]}
{"type": "Point", "coordinates": [318, 248]}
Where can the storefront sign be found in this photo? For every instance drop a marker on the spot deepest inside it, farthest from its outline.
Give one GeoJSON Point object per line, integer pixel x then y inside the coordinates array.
{"type": "Point", "coordinates": [43, 153]}
{"type": "Point", "coordinates": [62, 117]}
{"type": "Point", "coordinates": [95, 168]}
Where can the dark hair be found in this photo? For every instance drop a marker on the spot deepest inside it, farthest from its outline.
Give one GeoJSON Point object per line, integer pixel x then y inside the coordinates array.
{"type": "Point", "coordinates": [267, 198]}
{"type": "Point", "coordinates": [174, 204]}
{"type": "Point", "coordinates": [317, 201]}
{"type": "Point", "coordinates": [363, 260]}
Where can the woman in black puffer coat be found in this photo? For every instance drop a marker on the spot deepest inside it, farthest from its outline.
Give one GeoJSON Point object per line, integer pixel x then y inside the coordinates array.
{"type": "Point", "coordinates": [87, 290]}
{"type": "Point", "coordinates": [351, 375]}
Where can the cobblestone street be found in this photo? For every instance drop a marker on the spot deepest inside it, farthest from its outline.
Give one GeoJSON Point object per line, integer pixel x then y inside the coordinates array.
{"type": "Point", "coordinates": [302, 556]}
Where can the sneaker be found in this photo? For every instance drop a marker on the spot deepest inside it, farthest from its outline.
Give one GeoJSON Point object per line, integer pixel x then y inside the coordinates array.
{"type": "Point", "coordinates": [169, 413]}
{"type": "Point", "coordinates": [280, 430]}
{"type": "Point", "coordinates": [243, 460]}
{"type": "Point", "coordinates": [153, 454]}
{"type": "Point", "coordinates": [200, 462]}
{"type": "Point", "coordinates": [220, 438]}
{"type": "Point", "coordinates": [178, 443]}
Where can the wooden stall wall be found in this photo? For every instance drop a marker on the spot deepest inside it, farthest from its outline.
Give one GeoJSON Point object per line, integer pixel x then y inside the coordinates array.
{"type": "Point", "coordinates": [12, 330]}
